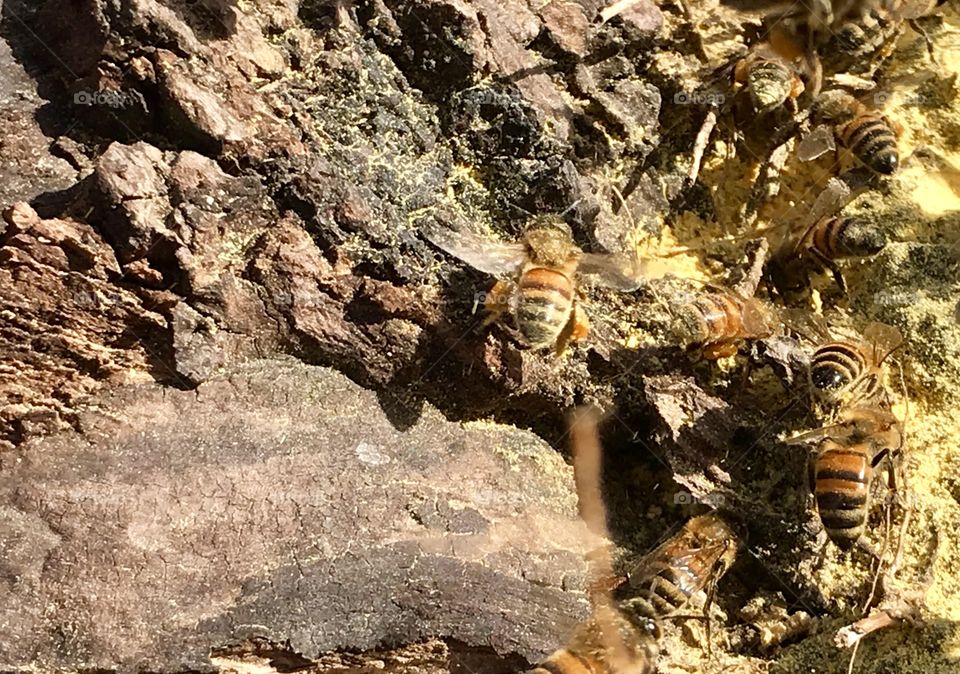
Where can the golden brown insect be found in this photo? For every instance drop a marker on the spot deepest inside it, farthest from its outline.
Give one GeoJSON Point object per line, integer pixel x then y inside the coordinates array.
{"type": "Point", "coordinates": [719, 319]}
{"type": "Point", "coordinates": [608, 642]}
{"type": "Point", "coordinates": [848, 371]}
{"type": "Point", "coordinates": [872, 139]}
{"type": "Point", "coordinates": [866, 134]}
{"type": "Point", "coordinates": [847, 454]}
{"type": "Point", "coordinates": [861, 46]}
{"type": "Point", "coordinates": [769, 77]}
{"type": "Point", "coordinates": [664, 582]}
{"type": "Point", "coordinates": [544, 270]}
{"type": "Point", "coordinates": [589, 651]}
{"type": "Point", "coordinates": [820, 245]}
{"type": "Point", "coordinates": [692, 560]}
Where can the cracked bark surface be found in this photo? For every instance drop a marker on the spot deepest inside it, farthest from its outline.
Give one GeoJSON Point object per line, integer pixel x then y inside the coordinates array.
{"type": "Point", "coordinates": [279, 504]}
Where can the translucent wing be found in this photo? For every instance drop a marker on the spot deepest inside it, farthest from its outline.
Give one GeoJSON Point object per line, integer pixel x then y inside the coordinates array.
{"type": "Point", "coordinates": [487, 255]}
{"type": "Point", "coordinates": [831, 200]}
{"type": "Point", "coordinates": [810, 326]}
{"type": "Point", "coordinates": [816, 143]}
{"type": "Point", "coordinates": [884, 338]}
{"type": "Point", "coordinates": [686, 561]}
{"type": "Point", "coordinates": [621, 272]}
{"type": "Point", "coordinates": [835, 431]}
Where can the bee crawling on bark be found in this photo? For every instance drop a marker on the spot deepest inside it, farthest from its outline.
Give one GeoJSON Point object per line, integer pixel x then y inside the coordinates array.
{"type": "Point", "coordinates": [719, 319]}
{"type": "Point", "coordinates": [620, 636]}
{"type": "Point", "coordinates": [543, 272]}
{"type": "Point", "coordinates": [658, 587]}
{"type": "Point", "coordinates": [691, 561]}
{"type": "Point", "coordinates": [821, 239]}
{"type": "Point", "coordinates": [845, 372]}
{"type": "Point", "coordinates": [821, 245]}
{"type": "Point", "coordinates": [770, 77]}
{"type": "Point", "coordinates": [847, 454]}
{"type": "Point", "coordinates": [870, 137]}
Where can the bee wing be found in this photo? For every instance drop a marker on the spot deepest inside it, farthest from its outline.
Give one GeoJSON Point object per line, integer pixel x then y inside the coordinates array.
{"type": "Point", "coordinates": [834, 431]}
{"type": "Point", "coordinates": [619, 271]}
{"type": "Point", "coordinates": [885, 339]}
{"type": "Point", "coordinates": [487, 255]}
{"type": "Point", "coordinates": [700, 562]}
{"type": "Point", "coordinates": [816, 143]}
{"type": "Point", "coordinates": [810, 326]}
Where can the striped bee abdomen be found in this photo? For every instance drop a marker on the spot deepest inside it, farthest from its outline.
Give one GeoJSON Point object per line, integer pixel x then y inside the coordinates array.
{"type": "Point", "coordinates": [842, 482]}
{"type": "Point", "coordinates": [838, 237]}
{"type": "Point", "coordinates": [544, 304]}
{"type": "Point", "coordinates": [835, 367]}
{"type": "Point", "coordinates": [872, 141]}
{"type": "Point", "coordinates": [709, 319]}
{"type": "Point", "coordinates": [667, 592]}
{"type": "Point", "coordinates": [770, 83]}
{"type": "Point", "coordinates": [723, 317]}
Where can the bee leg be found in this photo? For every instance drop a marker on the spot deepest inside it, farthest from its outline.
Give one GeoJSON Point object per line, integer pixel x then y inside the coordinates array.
{"type": "Point", "coordinates": [711, 593]}
{"type": "Point", "coordinates": [576, 330]}
{"type": "Point", "coordinates": [701, 143]}
{"type": "Point", "coordinates": [718, 351]}
{"type": "Point", "coordinates": [926, 37]}
{"type": "Point", "coordinates": [497, 301]}
{"type": "Point", "coordinates": [834, 270]}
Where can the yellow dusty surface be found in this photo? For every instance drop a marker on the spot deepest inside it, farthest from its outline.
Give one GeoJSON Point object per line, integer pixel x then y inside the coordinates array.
{"type": "Point", "coordinates": [914, 286]}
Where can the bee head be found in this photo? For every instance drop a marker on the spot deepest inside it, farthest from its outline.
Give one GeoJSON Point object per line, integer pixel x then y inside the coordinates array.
{"type": "Point", "coordinates": [551, 224]}
{"type": "Point", "coordinates": [862, 238]}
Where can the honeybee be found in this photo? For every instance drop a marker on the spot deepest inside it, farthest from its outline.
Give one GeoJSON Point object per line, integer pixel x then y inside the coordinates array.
{"type": "Point", "coordinates": [608, 642]}
{"type": "Point", "coordinates": [718, 320]}
{"type": "Point", "coordinates": [820, 246]}
{"type": "Point", "coordinates": [861, 46]}
{"type": "Point", "coordinates": [769, 77]}
{"type": "Point", "coordinates": [692, 560]}
{"type": "Point", "coordinates": [820, 237]}
{"type": "Point", "coordinates": [544, 270]}
{"type": "Point", "coordinates": [869, 136]}
{"type": "Point", "coordinates": [846, 372]}
{"type": "Point", "coordinates": [842, 467]}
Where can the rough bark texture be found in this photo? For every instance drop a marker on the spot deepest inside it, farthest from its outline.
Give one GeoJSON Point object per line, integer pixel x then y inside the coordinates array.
{"type": "Point", "coordinates": [279, 503]}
